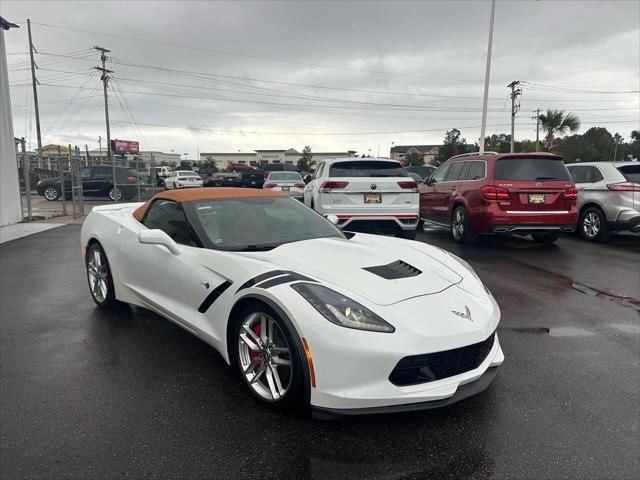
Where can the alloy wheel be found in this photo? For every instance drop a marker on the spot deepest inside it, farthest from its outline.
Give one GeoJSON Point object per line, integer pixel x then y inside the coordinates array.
{"type": "Point", "coordinates": [265, 356]}
{"type": "Point", "coordinates": [98, 276]}
{"type": "Point", "coordinates": [591, 225]}
{"type": "Point", "coordinates": [117, 192]}
{"type": "Point", "coordinates": [457, 226]}
{"type": "Point", "coordinates": [51, 193]}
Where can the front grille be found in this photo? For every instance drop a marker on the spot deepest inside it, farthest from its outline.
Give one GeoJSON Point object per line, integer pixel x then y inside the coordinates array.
{"type": "Point", "coordinates": [436, 366]}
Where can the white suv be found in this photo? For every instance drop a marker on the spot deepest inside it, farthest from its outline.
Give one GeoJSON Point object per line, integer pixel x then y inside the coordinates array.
{"type": "Point", "coordinates": [366, 194]}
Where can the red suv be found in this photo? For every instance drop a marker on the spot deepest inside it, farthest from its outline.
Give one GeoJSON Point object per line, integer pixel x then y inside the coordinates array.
{"type": "Point", "coordinates": [524, 193]}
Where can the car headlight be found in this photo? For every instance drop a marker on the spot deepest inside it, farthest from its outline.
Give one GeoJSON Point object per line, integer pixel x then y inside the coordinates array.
{"type": "Point", "coordinates": [341, 310]}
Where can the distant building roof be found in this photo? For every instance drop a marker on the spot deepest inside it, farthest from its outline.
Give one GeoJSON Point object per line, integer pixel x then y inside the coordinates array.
{"type": "Point", "coordinates": [420, 148]}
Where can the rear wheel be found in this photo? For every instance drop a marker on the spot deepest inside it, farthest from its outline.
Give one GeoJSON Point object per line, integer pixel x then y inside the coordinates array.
{"type": "Point", "coordinates": [593, 225]}
{"type": "Point", "coordinates": [99, 277]}
{"type": "Point", "coordinates": [115, 192]}
{"type": "Point", "coordinates": [460, 231]}
{"type": "Point", "coordinates": [266, 359]}
{"type": "Point", "coordinates": [51, 193]}
{"type": "Point", "coordinates": [548, 237]}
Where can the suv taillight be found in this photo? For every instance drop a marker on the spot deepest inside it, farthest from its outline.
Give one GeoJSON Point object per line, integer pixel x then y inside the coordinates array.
{"type": "Point", "coordinates": [571, 193]}
{"type": "Point", "coordinates": [624, 187]}
{"type": "Point", "coordinates": [409, 184]}
{"type": "Point", "coordinates": [269, 185]}
{"type": "Point", "coordinates": [490, 192]}
{"type": "Point", "coordinates": [299, 185]}
{"type": "Point", "coordinates": [332, 185]}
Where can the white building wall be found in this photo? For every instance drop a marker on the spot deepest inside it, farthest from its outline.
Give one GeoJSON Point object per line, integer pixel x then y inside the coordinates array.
{"type": "Point", "coordinates": [10, 211]}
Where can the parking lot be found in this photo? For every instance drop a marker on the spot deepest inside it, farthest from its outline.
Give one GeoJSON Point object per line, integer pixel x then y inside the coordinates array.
{"type": "Point", "coordinates": [91, 393]}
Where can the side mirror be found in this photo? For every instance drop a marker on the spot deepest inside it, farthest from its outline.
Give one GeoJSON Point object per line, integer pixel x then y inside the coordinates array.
{"type": "Point", "coordinates": [158, 237]}
{"type": "Point", "coordinates": [306, 178]}
{"type": "Point", "coordinates": [333, 219]}
{"type": "Point", "coordinates": [429, 180]}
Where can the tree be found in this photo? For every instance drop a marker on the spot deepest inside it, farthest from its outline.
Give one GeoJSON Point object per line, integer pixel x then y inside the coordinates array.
{"type": "Point", "coordinates": [500, 143]}
{"type": "Point", "coordinates": [305, 162]}
{"type": "Point", "coordinates": [557, 123]}
{"type": "Point", "coordinates": [595, 145]}
{"type": "Point", "coordinates": [209, 166]}
{"type": "Point", "coordinates": [452, 145]}
{"type": "Point", "coordinates": [414, 159]}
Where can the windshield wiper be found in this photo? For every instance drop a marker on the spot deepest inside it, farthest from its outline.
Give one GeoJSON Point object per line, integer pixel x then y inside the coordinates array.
{"type": "Point", "coordinates": [258, 248]}
{"type": "Point", "coordinates": [547, 178]}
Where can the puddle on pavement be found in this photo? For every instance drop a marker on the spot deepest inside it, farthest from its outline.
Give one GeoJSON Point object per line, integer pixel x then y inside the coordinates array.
{"type": "Point", "coordinates": [626, 328]}
{"type": "Point", "coordinates": [570, 332]}
{"type": "Point", "coordinates": [587, 290]}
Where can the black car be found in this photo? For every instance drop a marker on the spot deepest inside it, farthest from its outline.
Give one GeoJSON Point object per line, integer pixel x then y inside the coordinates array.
{"type": "Point", "coordinates": [97, 181]}
{"type": "Point", "coordinates": [424, 171]}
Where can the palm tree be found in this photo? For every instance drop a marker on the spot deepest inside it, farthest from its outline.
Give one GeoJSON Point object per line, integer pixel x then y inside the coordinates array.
{"type": "Point", "coordinates": [557, 123]}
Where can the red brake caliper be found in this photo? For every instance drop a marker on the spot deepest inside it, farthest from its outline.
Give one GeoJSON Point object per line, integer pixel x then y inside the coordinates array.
{"type": "Point", "coordinates": [255, 328]}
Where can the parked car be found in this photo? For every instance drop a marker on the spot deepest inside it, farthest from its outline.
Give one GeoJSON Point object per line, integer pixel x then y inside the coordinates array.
{"type": "Point", "coordinates": [608, 198]}
{"type": "Point", "coordinates": [382, 324]}
{"type": "Point", "coordinates": [366, 194]}
{"type": "Point", "coordinates": [416, 177]}
{"type": "Point", "coordinates": [242, 167]}
{"type": "Point", "coordinates": [277, 167]}
{"type": "Point", "coordinates": [523, 193]}
{"type": "Point", "coordinates": [163, 171]}
{"type": "Point", "coordinates": [97, 181]}
{"type": "Point", "coordinates": [183, 179]}
{"type": "Point", "coordinates": [288, 182]}
{"type": "Point", "coordinates": [424, 171]}
{"type": "Point", "coordinates": [252, 179]}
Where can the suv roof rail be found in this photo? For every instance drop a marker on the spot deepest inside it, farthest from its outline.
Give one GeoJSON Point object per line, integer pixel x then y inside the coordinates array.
{"type": "Point", "coordinates": [470, 154]}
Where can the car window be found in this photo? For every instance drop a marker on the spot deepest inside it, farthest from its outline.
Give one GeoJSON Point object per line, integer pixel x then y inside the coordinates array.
{"type": "Point", "coordinates": [582, 174]}
{"type": "Point", "coordinates": [285, 177]}
{"type": "Point", "coordinates": [440, 173]}
{"type": "Point", "coordinates": [476, 170]}
{"type": "Point", "coordinates": [85, 172]}
{"type": "Point", "coordinates": [102, 172]}
{"type": "Point", "coordinates": [318, 172]}
{"type": "Point", "coordinates": [365, 168]}
{"type": "Point", "coordinates": [631, 172]}
{"type": "Point", "coordinates": [597, 175]}
{"type": "Point", "coordinates": [454, 171]}
{"type": "Point", "coordinates": [168, 216]}
{"type": "Point", "coordinates": [531, 169]}
{"type": "Point", "coordinates": [465, 171]}
{"type": "Point", "coordinates": [187, 173]}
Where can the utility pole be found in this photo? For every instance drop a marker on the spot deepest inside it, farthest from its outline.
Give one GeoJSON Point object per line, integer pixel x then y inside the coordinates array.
{"type": "Point", "coordinates": [34, 82]}
{"type": "Point", "coordinates": [537, 119]}
{"type": "Point", "coordinates": [514, 108]}
{"type": "Point", "coordinates": [487, 75]}
{"type": "Point", "coordinates": [105, 83]}
{"type": "Point", "coordinates": [100, 148]}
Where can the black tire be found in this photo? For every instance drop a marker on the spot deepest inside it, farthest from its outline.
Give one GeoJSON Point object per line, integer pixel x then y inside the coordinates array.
{"type": "Point", "coordinates": [408, 234]}
{"type": "Point", "coordinates": [292, 398]}
{"type": "Point", "coordinates": [313, 207]}
{"type": "Point", "coordinates": [460, 231]}
{"type": "Point", "coordinates": [101, 298]}
{"type": "Point", "coordinates": [51, 193]}
{"type": "Point", "coordinates": [420, 225]}
{"type": "Point", "coordinates": [593, 225]}
{"type": "Point", "coordinates": [549, 237]}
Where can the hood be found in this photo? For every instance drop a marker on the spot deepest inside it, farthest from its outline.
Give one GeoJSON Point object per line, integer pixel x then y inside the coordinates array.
{"type": "Point", "coordinates": [382, 270]}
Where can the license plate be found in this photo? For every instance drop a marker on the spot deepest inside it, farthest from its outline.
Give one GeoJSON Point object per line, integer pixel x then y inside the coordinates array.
{"type": "Point", "coordinates": [285, 189]}
{"type": "Point", "coordinates": [536, 198]}
{"type": "Point", "coordinates": [372, 198]}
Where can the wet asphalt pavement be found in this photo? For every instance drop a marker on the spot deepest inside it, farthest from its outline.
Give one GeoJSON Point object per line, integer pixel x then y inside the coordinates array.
{"type": "Point", "coordinates": [93, 394]}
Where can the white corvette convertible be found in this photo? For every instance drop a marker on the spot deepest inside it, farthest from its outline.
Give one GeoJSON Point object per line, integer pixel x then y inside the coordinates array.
{"type": "Point", "coordinates": [307, 315]}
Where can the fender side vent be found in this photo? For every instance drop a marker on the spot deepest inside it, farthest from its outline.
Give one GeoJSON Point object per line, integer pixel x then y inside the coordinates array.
{"type": "Point", "coordinates": [392, 271]}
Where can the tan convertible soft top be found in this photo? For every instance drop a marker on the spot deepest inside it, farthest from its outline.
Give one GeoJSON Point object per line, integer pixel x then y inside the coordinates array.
{"type": "Point", "coordinates": [208, 193]}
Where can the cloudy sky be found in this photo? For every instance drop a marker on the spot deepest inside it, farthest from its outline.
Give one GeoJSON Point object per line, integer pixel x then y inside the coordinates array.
{"type": "Point", "coordinates": [229, 76]}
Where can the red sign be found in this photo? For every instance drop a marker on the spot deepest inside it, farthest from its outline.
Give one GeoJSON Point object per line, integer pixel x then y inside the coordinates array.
{"type": "Point", "coordinates": [125, 146]}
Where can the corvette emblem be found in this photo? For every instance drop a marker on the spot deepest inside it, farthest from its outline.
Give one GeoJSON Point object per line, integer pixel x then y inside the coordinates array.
{"type": "Point", "coordinates": [466, 314]}
{"type": "Point", "coordinates": [373, 186]}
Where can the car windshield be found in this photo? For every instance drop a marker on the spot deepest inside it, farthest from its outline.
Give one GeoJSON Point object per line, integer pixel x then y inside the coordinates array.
{"type": "Point", "coordinates": [256, 223]}
{"type": "Point", "coordinates": [365, 168]}
{"type": "Point", "coordinates": [631, 172]}
{"type": "Point", "coordinates": [187, 173]}
{"type": "Point", "coordinates": [285, 177]}
{"type": "Point", "coordinates": [531, 169]}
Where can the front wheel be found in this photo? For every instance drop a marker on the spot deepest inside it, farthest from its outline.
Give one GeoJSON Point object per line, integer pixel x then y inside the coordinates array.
{"type": "Point", "coordinates": [460, 231]}
{"type": "Point", "coordinates": [266, 359]}
{"type": "Point", "coordinates": [593, 225]}
{"type": "Point", "coordinates": [51, 193]}
{"type": "Point", "coordinates": [549, 237]}
{"type": "Point", "coordinates": [99, 277]}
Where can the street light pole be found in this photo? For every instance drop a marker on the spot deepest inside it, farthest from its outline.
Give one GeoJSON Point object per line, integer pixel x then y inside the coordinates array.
{"type": "Point", "coordinates": [487, 75]}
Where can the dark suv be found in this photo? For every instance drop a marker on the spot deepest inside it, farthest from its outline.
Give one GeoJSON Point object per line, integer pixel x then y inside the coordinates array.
{"type": "Point", "coordinates": [97, 181]}
{"type": "Point", "coordinates": [524, 193]}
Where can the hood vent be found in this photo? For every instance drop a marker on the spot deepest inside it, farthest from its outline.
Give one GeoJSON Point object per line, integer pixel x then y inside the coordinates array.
{"type": "Point", "coordinates": [395, 270]}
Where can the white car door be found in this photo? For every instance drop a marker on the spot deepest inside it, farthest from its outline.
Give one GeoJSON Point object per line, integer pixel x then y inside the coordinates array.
{"type": "Point", "coordinates": [311, 189]}
{"type": "Point", "coordinates": [162, 280]}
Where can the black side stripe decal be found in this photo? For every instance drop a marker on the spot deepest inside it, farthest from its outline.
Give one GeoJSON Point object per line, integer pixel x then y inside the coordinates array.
{"type": "Point", "coordinates": [261, 277]}
{"type": "Point", "coordinates": [213, 296]}
{"type": "Point", "coordinates": [292, 277]}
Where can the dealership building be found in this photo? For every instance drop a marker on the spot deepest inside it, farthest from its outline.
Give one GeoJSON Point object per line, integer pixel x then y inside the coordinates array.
{"type": "Point", "coordinates": [256, 158]}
